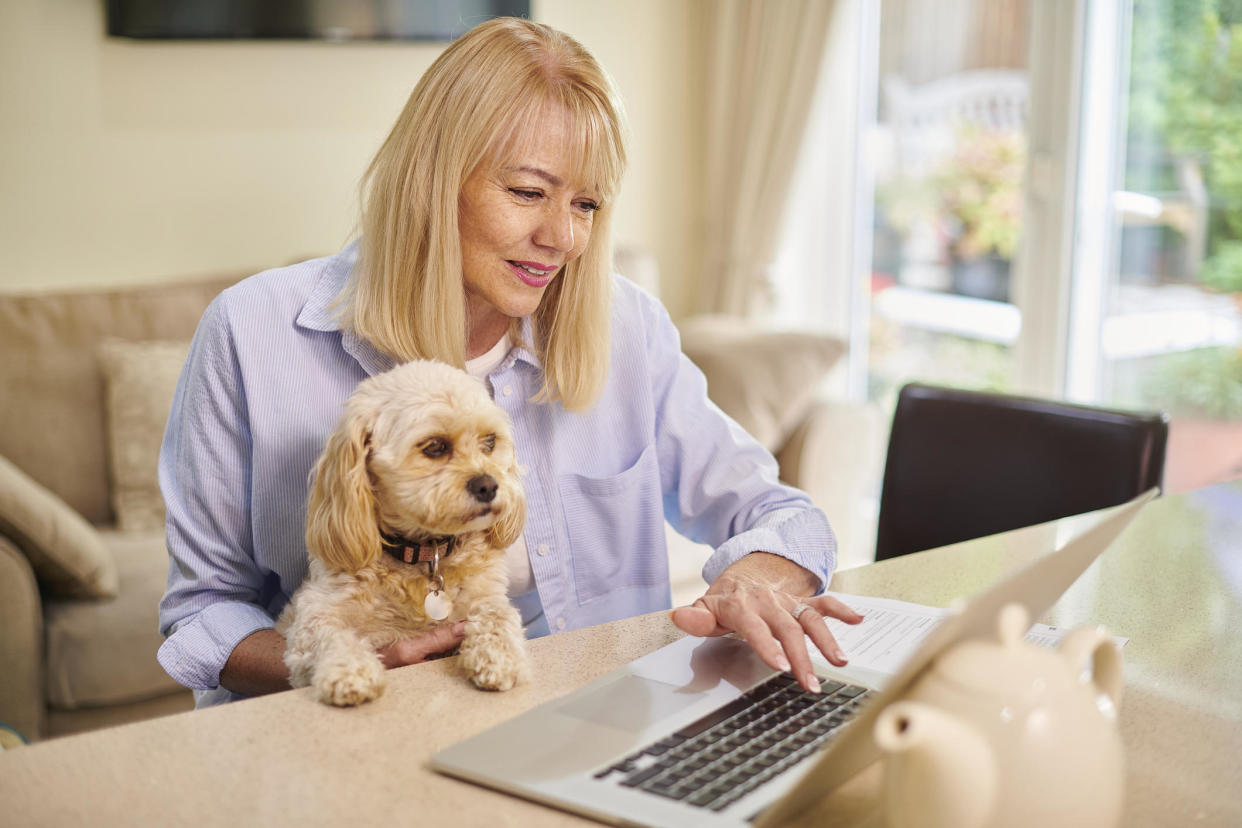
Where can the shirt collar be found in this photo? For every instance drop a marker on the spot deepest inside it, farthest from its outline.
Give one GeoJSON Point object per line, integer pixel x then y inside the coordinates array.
{"type": "Point", "coordinates": [319, 315]}
{"type": "Point", "coordinates": [523, 350]}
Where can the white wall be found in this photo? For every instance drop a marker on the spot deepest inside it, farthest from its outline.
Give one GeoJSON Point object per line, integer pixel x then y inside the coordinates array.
{"type": "Point", "coordinates": [135, 161]}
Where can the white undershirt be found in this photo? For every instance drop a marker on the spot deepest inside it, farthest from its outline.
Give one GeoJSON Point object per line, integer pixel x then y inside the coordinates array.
{"type": "Point", "coordinates": [521, 578]}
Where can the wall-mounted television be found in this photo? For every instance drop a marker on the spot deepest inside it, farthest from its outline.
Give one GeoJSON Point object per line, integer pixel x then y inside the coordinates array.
{"type": "Point", "coordinates": [304, 19]}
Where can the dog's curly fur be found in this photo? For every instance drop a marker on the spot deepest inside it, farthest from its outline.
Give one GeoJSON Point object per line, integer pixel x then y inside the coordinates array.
{"type": "Point", "coordinates": [402, 463]}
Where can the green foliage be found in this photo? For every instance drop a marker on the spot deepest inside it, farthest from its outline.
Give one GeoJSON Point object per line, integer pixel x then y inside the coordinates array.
{"type": "Point", "coordinates": [902, 353]}
{"type": "Point", "coordinates": [1223, 271]}
{"type": "Point", "coordinates": [973, 196]}
{"type": "Point", "coordinates": [1186, 95]}
{"type": "Point", "coordinates": [1206, 382]}
{"type": "Point", "coordinates": [1175, 50]}
{"type": "Point", "coordinates": [980, 186]}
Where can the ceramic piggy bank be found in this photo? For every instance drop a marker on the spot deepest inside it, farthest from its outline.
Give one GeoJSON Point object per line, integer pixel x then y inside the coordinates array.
{"type": "Point", "coordinates": [1008, 734]}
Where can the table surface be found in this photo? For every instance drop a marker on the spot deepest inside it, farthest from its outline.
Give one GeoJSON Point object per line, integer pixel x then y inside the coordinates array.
{"type": "Point", "coordinates": [1172, 584]}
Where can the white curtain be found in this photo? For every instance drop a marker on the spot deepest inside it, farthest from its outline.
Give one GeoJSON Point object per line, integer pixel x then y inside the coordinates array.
{"type": "Point", "coordinates": [764, 62]}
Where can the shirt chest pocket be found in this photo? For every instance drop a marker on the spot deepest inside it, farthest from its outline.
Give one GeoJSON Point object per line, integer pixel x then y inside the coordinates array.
{"type": "Point", "coordinates": [616, 528]}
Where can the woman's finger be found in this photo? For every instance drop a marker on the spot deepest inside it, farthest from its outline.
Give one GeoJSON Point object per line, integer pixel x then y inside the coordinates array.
{"type": "Point", "coordinates": [792, 636]}
{"type": "Point", "coordinates": [814, 622]}
{"type": "Point", "coordinates": [697, 620]}
{"type": "Point", "coordinates": [816, 628]}
{"type": "Point", "coordinates": [835, 608]}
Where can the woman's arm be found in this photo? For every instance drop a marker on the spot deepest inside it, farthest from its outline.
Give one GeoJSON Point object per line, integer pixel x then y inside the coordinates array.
{"type": "Point", "coordinates": [774, 548]}
{"type": "Point", "coordinates": [214, 597]}
{"type": "Point", "coordinates": [256, 666]}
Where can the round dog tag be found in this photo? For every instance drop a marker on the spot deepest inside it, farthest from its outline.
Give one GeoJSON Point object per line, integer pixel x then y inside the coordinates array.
{"type": "Point", "coordinates": [437, 606]}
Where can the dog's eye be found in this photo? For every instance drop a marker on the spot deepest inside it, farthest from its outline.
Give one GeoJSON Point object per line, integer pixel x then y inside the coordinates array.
{"type": "Point", "coordinates": [436, 447]}
{"type": "Point", "coordinates": [489, 444]}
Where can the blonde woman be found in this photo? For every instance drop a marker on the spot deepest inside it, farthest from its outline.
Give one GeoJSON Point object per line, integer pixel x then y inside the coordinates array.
{"type": "Point", "coordinates": [486, 244]}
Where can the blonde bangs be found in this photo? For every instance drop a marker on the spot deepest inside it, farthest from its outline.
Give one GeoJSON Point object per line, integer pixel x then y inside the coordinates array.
{"type": "Point", "coordinates": [597, 149]}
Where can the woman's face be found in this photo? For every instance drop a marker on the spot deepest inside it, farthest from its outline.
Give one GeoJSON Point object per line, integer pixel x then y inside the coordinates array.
{"type": "Point", "coordinates": [521, 222]}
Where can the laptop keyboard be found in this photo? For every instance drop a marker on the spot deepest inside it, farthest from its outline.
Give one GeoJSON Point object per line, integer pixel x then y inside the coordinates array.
{"type": "Point", "coordinates": [723, 756]}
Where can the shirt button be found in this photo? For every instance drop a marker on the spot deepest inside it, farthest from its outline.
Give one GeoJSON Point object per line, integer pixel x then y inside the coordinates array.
{"type": "Point", "coordinates": [508, 389]}
{"type": "Point", "coordinates": [560, 623]}
{"type": "Point", "coordinates": [543, 549]}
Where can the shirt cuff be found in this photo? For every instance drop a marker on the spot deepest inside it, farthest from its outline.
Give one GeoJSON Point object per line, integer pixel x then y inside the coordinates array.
{"type": "Point", "coordinates": [196, 652]}
{"type": "Point", "coordinates": [800, 535]}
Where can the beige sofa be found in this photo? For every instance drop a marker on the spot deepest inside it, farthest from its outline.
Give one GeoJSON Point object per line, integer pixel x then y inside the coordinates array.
{"type": "Point", "coordinates": [87, 380]}
{"type": "Point", "coordinates": [78, 592]}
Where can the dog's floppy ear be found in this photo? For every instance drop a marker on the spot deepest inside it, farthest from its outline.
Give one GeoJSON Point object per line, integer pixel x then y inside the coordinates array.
{"type": "Point", "coordinates": [508, 527]}
{"type": "Point", "coordinates": [341, 526]}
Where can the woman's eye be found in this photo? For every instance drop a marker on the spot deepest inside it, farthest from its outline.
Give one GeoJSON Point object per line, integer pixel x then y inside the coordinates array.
{"type": "Point", "coordinates": [588, 206]}
{"type": "Point", "coordinates": [489, 444]}
{"type": "Point", "coordinates": [436, 447]}
{"type": "Point", "coordinates": [529, 195]}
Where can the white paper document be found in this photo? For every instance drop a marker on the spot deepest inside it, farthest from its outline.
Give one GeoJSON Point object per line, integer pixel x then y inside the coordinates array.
{"type": "Point", "coordinates": [892, 630]}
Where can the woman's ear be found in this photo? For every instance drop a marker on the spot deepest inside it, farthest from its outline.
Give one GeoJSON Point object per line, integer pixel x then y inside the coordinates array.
{"type": "Point", "coordinates": [341, 526]}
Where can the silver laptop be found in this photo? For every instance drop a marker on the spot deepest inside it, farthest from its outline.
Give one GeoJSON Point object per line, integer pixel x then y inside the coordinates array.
{"type": "Point", "coordinates": [701, 732]}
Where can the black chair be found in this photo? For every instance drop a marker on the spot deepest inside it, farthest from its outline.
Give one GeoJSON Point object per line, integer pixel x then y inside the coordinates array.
{"type": "Point", "coordinates": [964, 464]}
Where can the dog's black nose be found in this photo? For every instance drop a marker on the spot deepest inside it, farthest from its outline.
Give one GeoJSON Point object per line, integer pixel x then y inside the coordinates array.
{"type": "Point", "coordinates": [482, 487]}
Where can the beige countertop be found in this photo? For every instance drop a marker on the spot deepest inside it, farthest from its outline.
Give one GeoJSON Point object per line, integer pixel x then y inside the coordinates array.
{"type": "Point", "coordinates": [287, 759]}
{"type": "Point", "coordinates": [1171, 584]}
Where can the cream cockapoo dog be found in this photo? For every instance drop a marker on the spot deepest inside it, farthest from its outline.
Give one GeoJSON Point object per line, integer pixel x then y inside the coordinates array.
{"type": "Point", "coordinates": [413, 503]}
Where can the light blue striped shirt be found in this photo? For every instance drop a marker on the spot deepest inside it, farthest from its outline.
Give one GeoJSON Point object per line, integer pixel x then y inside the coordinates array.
{"type": "Point", "coordinates": [265, 383]}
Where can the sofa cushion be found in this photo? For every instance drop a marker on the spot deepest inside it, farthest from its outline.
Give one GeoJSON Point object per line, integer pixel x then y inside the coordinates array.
{"type": "Point", "coordinates": [764, 379]}
{"type": "Point", "coordinates": [66, 553]}
{"type": "Point", "coordinates": [103, 652]}
{"type": "Point", "coordinates": [51, 411]}
{"type": "Point", "coordinates": [139, 381]}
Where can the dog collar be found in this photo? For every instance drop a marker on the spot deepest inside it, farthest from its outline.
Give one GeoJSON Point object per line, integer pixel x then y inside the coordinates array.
{"type": "Point", "coordinates": [426, 550]}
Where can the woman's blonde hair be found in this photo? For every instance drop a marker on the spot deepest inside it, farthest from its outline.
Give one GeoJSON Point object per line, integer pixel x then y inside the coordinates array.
{"type": "Point", "coordinates": [477, 104]}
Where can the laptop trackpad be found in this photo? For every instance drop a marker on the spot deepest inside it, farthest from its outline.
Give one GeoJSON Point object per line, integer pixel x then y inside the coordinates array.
{"type": "Point", "coordinates": [630, 703]}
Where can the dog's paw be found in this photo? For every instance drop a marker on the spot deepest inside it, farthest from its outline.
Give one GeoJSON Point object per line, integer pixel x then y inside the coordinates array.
{"type": "Point", "coordinates": [497, 664]}
{"type": "Point", "coordinates": [348, 686]}
{"type": "Point", "coordinates": [493, 653]}
{"type": "Point", "coordinates": [496, 677]}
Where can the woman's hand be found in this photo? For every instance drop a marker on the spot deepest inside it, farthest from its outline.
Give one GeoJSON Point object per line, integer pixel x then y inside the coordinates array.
{"type": "Point", "coordinates": [756, 598]}
{"type": "Point", "coordinates": [419, 648]}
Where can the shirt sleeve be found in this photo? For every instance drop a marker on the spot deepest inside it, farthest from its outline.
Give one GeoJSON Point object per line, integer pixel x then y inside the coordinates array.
{"type": "Point", "coordinates": [214, 595]}
{"type": "Point", "coordinates": [721, 486]}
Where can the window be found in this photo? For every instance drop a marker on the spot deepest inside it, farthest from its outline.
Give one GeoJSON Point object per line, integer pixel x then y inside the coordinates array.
{"type": "Point", "coordinates": [1047, 199]}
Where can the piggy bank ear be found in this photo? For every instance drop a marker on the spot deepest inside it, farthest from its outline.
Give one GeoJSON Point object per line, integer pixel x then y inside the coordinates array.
{"type": "Point", "coordinates": [342, 529]}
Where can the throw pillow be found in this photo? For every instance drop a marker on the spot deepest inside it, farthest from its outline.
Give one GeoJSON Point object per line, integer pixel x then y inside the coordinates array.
{"type": "Point", "coordinates": [139, 381]}
{"type": "Point", "coordinates": [67, 555]}
{"type": "Point", "coordinates": [764, 379]}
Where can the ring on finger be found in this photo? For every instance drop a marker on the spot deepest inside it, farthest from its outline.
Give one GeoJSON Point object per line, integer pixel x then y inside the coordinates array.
{"type": "Point", "coordinates": [798, 610]}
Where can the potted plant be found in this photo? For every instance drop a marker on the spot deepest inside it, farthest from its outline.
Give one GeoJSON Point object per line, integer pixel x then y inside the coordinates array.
{"type": "Point", "coordinates": [979, 195]}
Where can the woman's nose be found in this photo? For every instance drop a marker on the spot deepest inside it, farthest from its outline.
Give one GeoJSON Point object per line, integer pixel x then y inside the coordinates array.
{"type": "Point", "coordinates": [556, 230]}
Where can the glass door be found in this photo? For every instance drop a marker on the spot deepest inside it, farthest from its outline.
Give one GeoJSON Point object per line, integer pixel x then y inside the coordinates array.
{"type": "Point", "coordinates": [1169, 330]}
{"type": "Point", "coordinates": [948, 156]}
{"type": "Point", "coordinates": [1058, 209]}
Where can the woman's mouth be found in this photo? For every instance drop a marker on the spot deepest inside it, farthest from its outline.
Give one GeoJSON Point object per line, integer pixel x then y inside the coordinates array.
{"type": "Point", "coordinates": [532, 273]}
